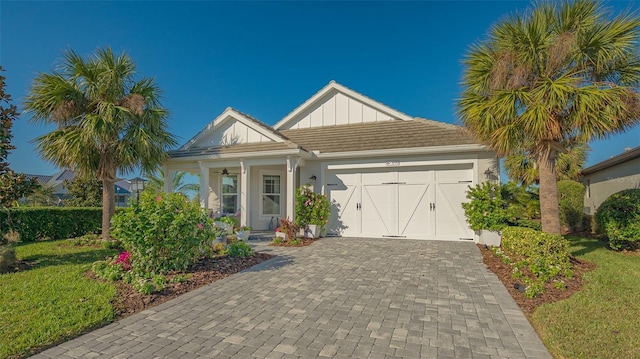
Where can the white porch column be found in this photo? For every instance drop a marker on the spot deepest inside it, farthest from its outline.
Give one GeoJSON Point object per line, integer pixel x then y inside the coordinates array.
{"type": "Point", "coordinates": [168, 176]}
{"type": "Point", "coordinates": [204, 185]}
{"type": "Point", "coordinates": [292, 165]}
{"type": "Point", "coordinates": [244, 192]}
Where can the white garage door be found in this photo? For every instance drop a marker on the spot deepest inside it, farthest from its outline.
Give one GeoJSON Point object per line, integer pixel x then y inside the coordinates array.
{"type": "Point", "coordinates": [404, 203]}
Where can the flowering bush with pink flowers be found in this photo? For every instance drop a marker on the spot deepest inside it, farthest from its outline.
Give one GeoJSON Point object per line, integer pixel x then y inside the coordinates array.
{"type": "Point", "coordinates": [162, 232]}
{"type": "Point", "coordinates": [311, 207]}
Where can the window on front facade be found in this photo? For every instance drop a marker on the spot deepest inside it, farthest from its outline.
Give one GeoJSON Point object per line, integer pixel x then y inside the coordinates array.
{"type": "Point", "coordinates": [229, 194]}
{"type": "Point", "coordinates": [271, 195]}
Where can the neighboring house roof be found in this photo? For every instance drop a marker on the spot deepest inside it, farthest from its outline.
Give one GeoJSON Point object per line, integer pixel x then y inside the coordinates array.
{"type": "Point", "coordinates": [40, 179]}
{"type": "Point", "coordinates": [123, 186]}
{"type": "Point", "coordinates": [53, 180]}
{"type": "Point", "coordinates": [615, 160]}
{"type": "Point", "coordinates": [379, 136]}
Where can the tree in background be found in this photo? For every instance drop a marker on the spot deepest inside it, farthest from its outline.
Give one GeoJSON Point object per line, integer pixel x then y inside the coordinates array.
{"type": "Point", "coordinates": [13, 186]}
{"type": "Point", "coordinates": [523, 169]}
{"type": "Point", "coordinates": [561, 73]}
{"type": "Point", "coordinates": [42, 196]}
{"type": "Point", "coordinates": [84, 192]}
{"type": "Point", "coordinates": [107, 121]}
{"type": "Point", "coordinates": [156, 183]}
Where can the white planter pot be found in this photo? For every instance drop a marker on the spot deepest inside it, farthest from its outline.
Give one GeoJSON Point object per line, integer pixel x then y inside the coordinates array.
{"type": "Point", "coordinates": [228, 228]}
{"type": "Point", "coordinates": [490, 238]}
{"type": "Point", "coordinates": [243, 235]}
{"type": "Point", "coordinates": [312, 231]}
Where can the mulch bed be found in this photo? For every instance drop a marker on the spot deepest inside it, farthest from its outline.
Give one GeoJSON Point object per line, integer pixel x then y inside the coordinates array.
{"type": "Point", "coordinates": [129, 301]}
{"type": "Point", "coordinates": [303, 242]}
{"type": "Point", "coordinates": [551, 294]}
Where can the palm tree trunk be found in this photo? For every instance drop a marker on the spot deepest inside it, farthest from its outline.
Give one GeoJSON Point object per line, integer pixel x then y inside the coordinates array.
{"type": "Point", "coordinates": [549, 192]}
{"type": "Point", "coordinates": [108, 206]}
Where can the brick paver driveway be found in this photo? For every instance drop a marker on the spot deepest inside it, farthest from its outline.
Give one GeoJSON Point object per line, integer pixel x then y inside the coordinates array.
{"type": "Point", "coordinates": [341, 298]}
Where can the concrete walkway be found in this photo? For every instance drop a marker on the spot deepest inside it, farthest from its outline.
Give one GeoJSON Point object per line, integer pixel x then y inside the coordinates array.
{"type": "Point", "coordinates": [338, 298]}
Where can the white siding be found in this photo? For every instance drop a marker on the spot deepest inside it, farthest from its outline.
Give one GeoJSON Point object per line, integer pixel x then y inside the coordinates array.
{"type": "Point", "coordinates": [329, 112]}
{"type": "Point", "coordinates": [232, 132]}
{"type": "Point", "coordinates": [337, 109]}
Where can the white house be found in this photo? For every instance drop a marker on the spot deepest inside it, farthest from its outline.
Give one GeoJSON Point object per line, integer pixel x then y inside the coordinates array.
{"type": "Point", "coordinates": [387, 174]}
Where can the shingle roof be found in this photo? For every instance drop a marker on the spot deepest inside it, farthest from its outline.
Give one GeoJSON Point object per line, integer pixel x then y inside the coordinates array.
{"type": "Point", "coordinates": [237, 148]}
{"type": "Point", "coordinates": [40, 179]}
{"type": "Point", "coordinates": [379, 136]}
{"type": "Point", "coordinates": [353, 137]}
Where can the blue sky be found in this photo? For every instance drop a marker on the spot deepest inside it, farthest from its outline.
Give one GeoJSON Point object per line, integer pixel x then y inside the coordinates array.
{"type": "Point", "coordinates": [262, 58]}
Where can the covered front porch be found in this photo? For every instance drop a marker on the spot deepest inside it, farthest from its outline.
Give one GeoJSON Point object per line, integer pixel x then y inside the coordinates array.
{"type": "Point", "coordinates": [259, 191]}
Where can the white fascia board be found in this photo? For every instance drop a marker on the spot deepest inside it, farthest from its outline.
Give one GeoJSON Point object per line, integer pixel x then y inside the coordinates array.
{"type": "Point", "coordinates": [228, 114]}
{"type": "Point", "coordinates": [402, 151]}
{"type": "Point", "coordinates": [238, 155]}
{"type": "Point", "coordinates": [334, 86]}
{"type": "Point", "coordinates": [341, 166]}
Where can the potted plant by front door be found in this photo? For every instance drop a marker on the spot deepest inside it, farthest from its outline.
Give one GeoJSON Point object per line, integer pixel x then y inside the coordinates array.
{"type": "Point", "coordinates": [243, 233]}
{"type": "Point", "coordinates": [312, 211]}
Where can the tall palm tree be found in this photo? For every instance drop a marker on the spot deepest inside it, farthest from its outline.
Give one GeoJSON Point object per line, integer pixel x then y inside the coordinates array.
{"type": "Point", "coordinates": [156, 183]}
{"type": "Point", "coordinates": [561, 73]}
{"type": "Point", "coordinates": [107, 121]}
{"type": "Point", "coordinates": [522, 169]}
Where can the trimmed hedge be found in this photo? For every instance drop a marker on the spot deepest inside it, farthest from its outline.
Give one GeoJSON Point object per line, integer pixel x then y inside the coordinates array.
{"type": "Point", "coordinates": [618, 218]}
{"type": "Point", "coordinates": [51, 223]}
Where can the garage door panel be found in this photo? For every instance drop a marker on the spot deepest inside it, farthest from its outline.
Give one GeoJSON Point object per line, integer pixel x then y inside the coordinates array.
{"type": "Point", "coordinates": [413, 210]}
{"type": "Point", "coordinates": [450, 219]}
{"type": "Point", "coordinates": [376, 210]}
{"type": "Point", "coordinates": [343, 196]}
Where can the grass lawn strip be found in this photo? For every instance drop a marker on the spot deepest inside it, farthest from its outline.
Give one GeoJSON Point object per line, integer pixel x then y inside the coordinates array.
{"type": "Point", "coordinates": [53, 300]}
{"type": "Point", "coordinates": [602, 320]}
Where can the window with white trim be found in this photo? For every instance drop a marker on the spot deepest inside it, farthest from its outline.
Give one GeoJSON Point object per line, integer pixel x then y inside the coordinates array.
{"type": "Point", "coordinates": [229, 194]}
{"type": "Point", "coordinates": [271, 195]}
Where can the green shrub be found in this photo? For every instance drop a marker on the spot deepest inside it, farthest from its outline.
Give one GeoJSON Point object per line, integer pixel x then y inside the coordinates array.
{"type": "Point", "coordinates": [528, 223]}
{"type": "Point", "coordinates": [571, 203]}
{"type": "Point", "coordinates": [51, 223]}
{"type": "Point", "coordinates": [162, 232]}
{"type": "Point", "coordinates": [618, 218]}
{"type": "Point", "coordinates": [311, 208]}
{"type": "Point", "coordinates": [239, 249]}
{"type": "Point", "coordinates": [486, 208]}
{"type": "Point", "coordinates": [545, 255]}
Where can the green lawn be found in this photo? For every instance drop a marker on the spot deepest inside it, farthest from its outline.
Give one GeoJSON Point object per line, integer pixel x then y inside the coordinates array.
{"type": "Point", "coordinates": [52, 301]}
{"type": "Point", "coordinates": [602, 320]}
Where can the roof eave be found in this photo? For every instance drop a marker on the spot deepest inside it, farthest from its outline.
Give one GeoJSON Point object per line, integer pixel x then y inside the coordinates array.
{"type": "Point", "coordinates": [403, 151]}
{"type": "Point", "coordinates": [613, 161]}
{"type": "Point", "coordinates": [236, 155]}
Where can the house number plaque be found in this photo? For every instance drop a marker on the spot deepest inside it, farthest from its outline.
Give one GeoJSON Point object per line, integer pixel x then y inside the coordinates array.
{"type": "Point", "coordinates": [392, 163]}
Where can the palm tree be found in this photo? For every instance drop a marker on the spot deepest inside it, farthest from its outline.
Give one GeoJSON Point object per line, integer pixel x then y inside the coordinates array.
{"type": "Point", "coordinates": [522, 169]}
{"type": "Point", "coordinates": [107, 121]}
{"type": "Point", "coordinates": [561, 73]}
{"type": "Point", "coordinates": [156, 183]}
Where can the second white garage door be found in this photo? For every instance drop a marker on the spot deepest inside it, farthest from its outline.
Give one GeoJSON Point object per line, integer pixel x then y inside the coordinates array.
{"type": "Point", "coordinates": [413, 203]}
